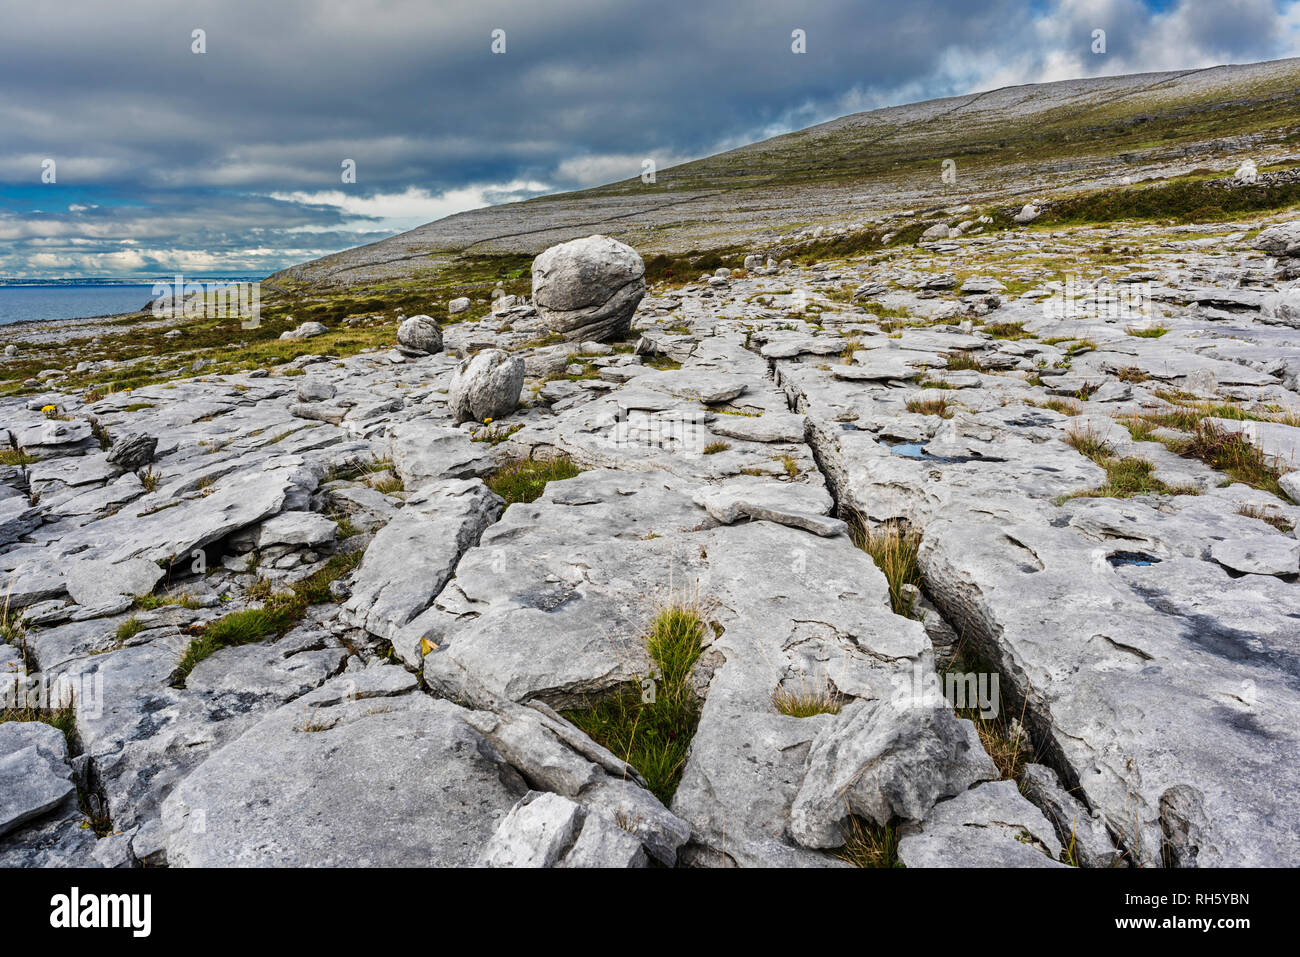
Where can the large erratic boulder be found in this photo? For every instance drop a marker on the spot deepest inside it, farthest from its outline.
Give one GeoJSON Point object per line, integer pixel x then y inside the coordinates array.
{"type": "Point", "coordinates": [419, 336]}
{"type": "Point", "coordinates": [588, 289]}
{"type": "Point", "coordinates": [485, 386]}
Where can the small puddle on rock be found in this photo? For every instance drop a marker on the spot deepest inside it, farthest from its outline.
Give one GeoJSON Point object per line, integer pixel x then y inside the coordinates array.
{"type": "Point", "coordinates": [911, 450]}
{"type": "Point", "coordinates": [1141, 559]}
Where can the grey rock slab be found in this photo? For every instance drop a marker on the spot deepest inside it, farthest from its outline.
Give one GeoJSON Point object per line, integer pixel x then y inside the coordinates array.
{"type": "Point", "coordinates": [296, 528]}
{"type": "Point", "coordinates": [133, 451]}
{"type": "Point", "coordinates": [1264, 555]}
{"type": "Point", "coordinates": [880, 366]}
{"type": "Point", "coordinates": [424, 451]}
{"type": "Point", "coordinates": [537, 832]}
{"type": "Point", "coordinates": [158, 527]}
{"type": "Point", "coordinates": [337, 780]}
{"type": "Point", "coordinates": [279, 670]}
{"type": "Point", "coordinates": [411, 558]}
{"type": "Point", "coordinates": [798, 613]}
{"type": "Point", "coordinates": [988, 826]}
{"type": "Point", "coordinates": [1082, 834]}
{"type": "Point", "coordinates": [701, 385]}
{"type": "Point", "coordinates": [17, 518]}
{"type": "Point", "coordinates": [785, 503]}
{"type": "Point", "coordinates": [34, 773]}
{"type": "Point", "coordinates": [769, 427]}
{"type": "Point", "coordinates": [96, 583]}
{"type": "Point", "coordinates": [603, 842]}
{"type": "Point", "coordinates": [882, 760]}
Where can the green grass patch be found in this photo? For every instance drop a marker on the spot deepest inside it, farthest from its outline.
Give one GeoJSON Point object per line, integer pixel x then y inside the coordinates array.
{"type": "Point", "coordinates": [524, 480]}
{"type": "Point", "coordinates": [654, 736]}
{"type": "Point", "coordinates": [278, 615]}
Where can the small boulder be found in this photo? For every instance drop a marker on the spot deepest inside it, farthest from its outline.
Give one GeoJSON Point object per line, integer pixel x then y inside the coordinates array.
{"type": "Point", "coordinates": [588, 288]}
{"type": "Point", "coordinates": [1027, 214]}
{"type": "Point", "coordinates": [485, 386]}
{"type": "Point", "coordinates": [420, 336]}
{"type": "Point", "coordinates": [304, 331]}
{"type": "Point", "coordinates": [133, 451]}
{"type": "Point", "coordinates": [314, 389]}
{"type": "Point", "coordinates": [457, 306]}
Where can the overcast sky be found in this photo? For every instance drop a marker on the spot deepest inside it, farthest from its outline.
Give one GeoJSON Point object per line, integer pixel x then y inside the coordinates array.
{"type": "Point", "coordinates": [229, 162]}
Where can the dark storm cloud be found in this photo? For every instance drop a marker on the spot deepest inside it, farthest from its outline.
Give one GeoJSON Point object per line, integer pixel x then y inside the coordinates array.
{"type": "Point", "coordinates": [236, 153]}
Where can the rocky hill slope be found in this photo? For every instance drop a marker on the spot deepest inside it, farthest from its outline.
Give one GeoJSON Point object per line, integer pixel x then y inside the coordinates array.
{"type": "Point", "coordinates": [1009, 146]}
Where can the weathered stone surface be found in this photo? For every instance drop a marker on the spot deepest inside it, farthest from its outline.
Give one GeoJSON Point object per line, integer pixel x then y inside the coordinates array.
{"type": "Point", "coordinates": [296, 528]}
{"type": "Point", "coordinates": [1271, 555]}
{"type": "Point", "coordinates": [537, 832]}
{"type": "Point", "coordinates": [1280, 240]}
{"type": "Point", "coordinates": [96, 583]}
{"type": "Point", "coordinates": [420, 335]}
{"type": "Point", "coordinates": [132, 452]}
{"type": "Point", "coordinates": [588, 288]}
{"type": "Point", "coordinates": [343, 778]}
{"type": "Point", "coordinates": [413, 556]}
{"type": "Point", "coordinates": [485, 386]}
{"type": "Point", "coordinates": [987, 826]}
{"type": "Point", "coordinates": [1084, 838]}
{"type": "Point", "coordinates": [34, 773]}
{"type": "Point", "coordinates": [884, 760]}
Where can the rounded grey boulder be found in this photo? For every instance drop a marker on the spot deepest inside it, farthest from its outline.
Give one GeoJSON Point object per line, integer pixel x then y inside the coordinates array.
{"type": "Point", "coordinates": [485, 386]}
{"type": "Point", "coordinates": [419, 336]}
{"type": "Point", "coordinates": [588, 288]}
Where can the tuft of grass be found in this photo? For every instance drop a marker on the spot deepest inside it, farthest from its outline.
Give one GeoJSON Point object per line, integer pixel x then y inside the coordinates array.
{"type": "Point", "coordinates": [962, 362]}
{"type": "Point", "coordinates": [1007, 330]}
{"type": "Point", "coordinates": [1132, 476]}
{"type": "Point", "coordinates": [1131, 374]}
{"type": "Point", "coordinates": [1010, 751]}
{"type": "Point", "coordinates": [867, 844]}
{"type": "Point", "coordinates": [1151, 332]}
{"type": "Point", "coordinates": [1264, 515]}
{"type": "Point", "coordinates": [15, 457]}
{"type": "Point", "coordinates": [713, 448]}
{"type": "Point", "coordinates": [524, 480]}
{"type": "Point", "coordinates": [149, 479]}
{"type": "Point", "coordinates": [651, 730]}
{"type": "Point", "coordinates": [939, 407]}
{"type": "Point", "coordinates": [128, 630]}
{"type": "Point", "coordinates": [1089, 443]}
{"type": "Point", "coordinates": [893, 549]}
{"type": "Point", "coordinates": [1064, 406]}
{"type": "Point", "coordinates": [1233, 454]}
{"type": "Point", "coordinates": [150, 602]}
{"type": "Point", "coordinates": [790, 463]}
{"type": "Point", "coordinates": [807, 700]}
